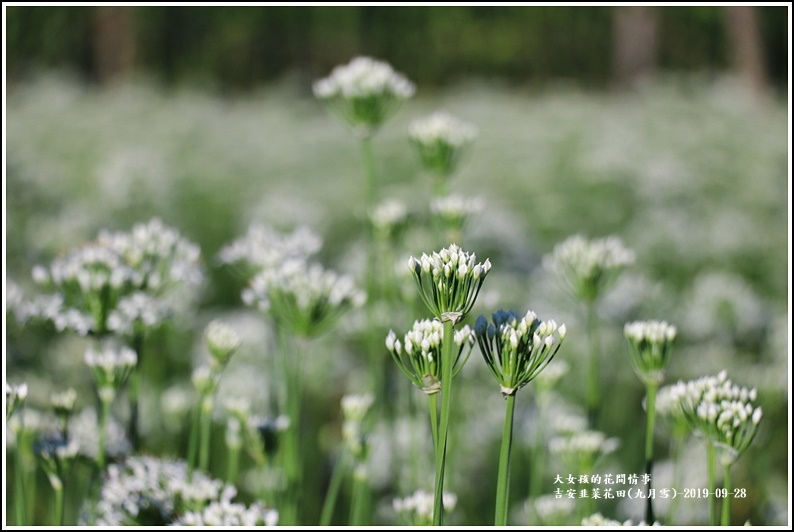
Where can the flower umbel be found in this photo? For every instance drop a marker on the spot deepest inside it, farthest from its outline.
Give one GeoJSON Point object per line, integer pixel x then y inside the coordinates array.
{"type": "Point", "coordinates": [364, 93]}
{"type": "Point", "coordinates": [440, 139]}
{"type": "Point", "coordinates": [449, 281]}
{"type": "Point", "coordinates": [517, 349]}
{"type": "Point", "coordinates": [15, 396]}
{"type": "Point", "coordinates": [419, 356]}
{"type": "Point", "coordinates": [586, 268]}
{"type": "Point", "coordinates": [650, 344]}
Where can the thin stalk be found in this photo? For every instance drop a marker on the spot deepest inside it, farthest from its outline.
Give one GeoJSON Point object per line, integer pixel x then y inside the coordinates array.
{"type": "Point", "coordinates": [433, 404]}
{"type": "Point", "coordinates": [104, 412]}
{"type": "Point", "coordinates": [205, 425]}
{"type": "Point", "coordinates": [503, 479]}
{"type": "Point", "coordinates": [358, 499]}
{"type": "Point", "coordinates": [192, 450]}
{"type": "Point", "coordinates": [651, 406]}
{"type": "Point", "coordinates": [233, 466]}
{"type": "Point", "coordinates": [537, 450]}
{"type": "Point", "coordinates": [292, 455]}
{"type": "Point", "coordinates": [593, 392]}
{"type": "Point", "coordinates": [134, 393]}
{"type": "Point", "coordinates": [711, 459]}
{"type": "Point", "coordinates": [58, 505]}
{"type": "Point", "coordinates": [446, 399]}
{"type": "Point", "coordinates": [675, 452]}
{"type": "Point", "coordinates": [333, 490]}
{"type": "Point", "coordinates": [726, 501]}
{"type": "Point", "coordinates": [19, 483]}
{"type": "Point", "coordinates": [371, 187]}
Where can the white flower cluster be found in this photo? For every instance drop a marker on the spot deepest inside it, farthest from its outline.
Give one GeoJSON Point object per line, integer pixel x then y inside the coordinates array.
{"type": "Point", "coordinates": [15, 396]}
{"type": "Point", "coordinates": [16, 304]}
{"type": "Point", "coordinates": [388, 216]}
{"type": "Point", "coordinates": [264, 248]}
{"type": "Point", "coordinates": [364, 77]}
{"type": "Point", "coordinates": [305, 298]}
{"type": "Point", "coordinates": [111, 368]}
{"type": "Point", "coordinates": [587, 267]}
{"type": "Point", "coordinates": [650, 344]}
{"type": "Point", "coordinates": [721, 412]}
{"type": "Point", "coordinates": [442, 128]}
{"type": "Point", "coordinates": [115, 283]}
{"type": "Point", "coordinates": [581, 451]}
{"type": "Point", "coordinates": [222, 342]}
{"type": "Point", "coordinates": [364, 93]}
{"type": "Point", "coordinates": [64, 401]}
{"type": "Point", "coordinates": [454, 210]}
{"type": "Point", "coordinates": [83, 428]}
{"type": "Point", "coordinates": [449, 280]}
{"type": "Point", "coordinates": [147, 491]}
{"type": "Point", "coordinates": [417, 509]}
{"type": "Point", "coordinates": [226, 513]}
{"type": "Point", "coordinates": [552, 511]}
{"type": "Point", "coordinates": [517, 350]}
{"type": "Point", "coordinates": [160, 255]}
{"type": "Point", "coordinates": [354, 410]}
{"type": "Point", "coordinates": [419, 355]}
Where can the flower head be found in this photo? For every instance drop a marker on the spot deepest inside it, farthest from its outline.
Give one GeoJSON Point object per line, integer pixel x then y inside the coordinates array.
{"type": "Point", "coordinates": [354, 410]}
{"type": "Point", "coordinates": [222, 342]}
{"type": "Point", "coordinates": [650, 344]}
{"type": "Point", "coordinates": [264, 248]}
{"type": "Point", "coordinates": [721, 412]}
{"type": "Point", "coordinates": [454, 210]}
{"type": "Point", "coordinates": [306, 299]}
{"type": "Point", "coordinates": [388, 219]}
{"type": "Point", "coordinates": [364, 93]}
{"type": "Point", "coordinates": [449, 281]}
{"type": "Point", "coordinates": [417, 509]}
{"type": "Point", "coordinates": [440, 140]}
{"type": "Point", "coordinates": [586, 268]}
{"type": "Point", "coordinates": [419, 354]}
{"type": "Point", "coordinates": [516, 349]}
{"type": "Point", "coordinates": [15, 396]}
{"type": "Point", "coordinates": [111, 369]}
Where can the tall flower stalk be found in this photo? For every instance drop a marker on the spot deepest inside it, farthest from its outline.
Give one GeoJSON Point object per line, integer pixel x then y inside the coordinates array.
{"type": "Point", "coordinates": [449, 282]}
{"type": "Point", "coordinates": [15, 399]}
{"type": "Point", "coordinates": [723, 415]}
{"type": "Point", "coordinates": [585, 270]}
{"type": "Point", "coordinates": [516, 349]}
{"type": "Point", "coordinates": [650, 344]}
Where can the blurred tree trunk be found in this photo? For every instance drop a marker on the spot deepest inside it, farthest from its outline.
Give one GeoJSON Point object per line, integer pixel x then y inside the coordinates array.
{"type": "Point", "coordinates": [747, 54]}
{"type": "Point", "coordinates": [634, 43]}
{"type": "Point", "coordinates": [113, 42]}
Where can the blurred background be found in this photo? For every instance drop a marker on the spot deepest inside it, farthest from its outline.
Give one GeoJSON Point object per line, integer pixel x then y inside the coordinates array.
{"type": "Point", "coordinates": [666, 126]}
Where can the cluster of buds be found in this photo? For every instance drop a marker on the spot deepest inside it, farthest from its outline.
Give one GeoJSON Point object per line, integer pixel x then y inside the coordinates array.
{"type": "Point", "coordinates": [354, 410]}
{"type": "Point", "coordinates": [264, 248]}
{"type": "Point", "coordinates": [586, 268]}
{"type": "Point", "coordinates": [15, 396]}
{"type": "Point", "coordinates": [115, 284]}
{"type": "Point", "coordinates": [63, 405]}
{"type": "Point", "coordinates": [454, 210]}
{"type": "Point", "coordinates": [364, 93]}
{"type": "Point", "coordinates": [516, 349]}
{"type": "Point", "coordinates": [440, 140]}
{"type": "Point", "coordinates": [721, 412]}
{"type": "Point", "coordinates": [650, 344]}
{"type": "Point", "coordinates": [226, 513]}
{"type": "Point", "coordinates": [581, 451]}
{"type": "Point", "coordinates": [389, 218]}
{"type": "Point", "coordinates": [419, 355]}
{"type": "Point", "coordinates": [417, 509]}
{"type": "Point", "coordinates": [222, 342]}
{"type": "Point", "coordinates": [111, 368]}
{"type": "Point", "coordinates": [56, 454]}
{"type": "Point", "coordinates": [305, 299]}
{"type": "Point", "coordinates": [449, 281]}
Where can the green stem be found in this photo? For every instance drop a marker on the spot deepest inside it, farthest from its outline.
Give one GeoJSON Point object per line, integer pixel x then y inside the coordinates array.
{"type": "Point", "coordinates": [292, 455]}
{"type": "Point", "coordinates": [358, 502]}
{"type": "Point", "coordinates": [333, 490]}
{"type": "Point", "coordinates": [205, 426]}
{"type": "Point", "coordinates": [537, 450]}
{"type": "Point", "coordinates": [369, 169]}
{"type": "Point", "coordinates": [432, 400]}
{"type": "Point", "coordinates": [104, 412]}
{"type": "Point", "coordinates": [192, 449]}
{"type": "Point", "coordinates": [233, 466]}
{"type": "Point", "coordinates": [675, 452]}
{"type": "Point", "coordinates": [446, 399]}
{"type": "Point", "coordinates": [711, 459]}
{"type": "Point", "coordinates": [651, 406]}
{"type": "Point", "coordinates": [134, 393]}
{"type": "Point", "coordinates": [59, 506]}
{"type": "Point", "coordinates": [503, 479]}
{"type": "Point", "coordinates": [726, 501]}
{"type": "Point", "coordinates": [593, 391]}
{"type": "Point", "coordinates": [19, 483]}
